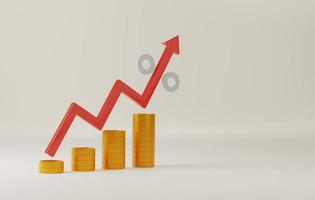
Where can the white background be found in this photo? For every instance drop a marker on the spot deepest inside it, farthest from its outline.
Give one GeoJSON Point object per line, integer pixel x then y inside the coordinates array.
{"type": "Point", "coordinates": [241, 125]}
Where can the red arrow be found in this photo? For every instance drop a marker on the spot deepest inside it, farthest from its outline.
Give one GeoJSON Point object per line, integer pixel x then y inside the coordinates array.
{"type": "Point", "coordinates": [171, 46]}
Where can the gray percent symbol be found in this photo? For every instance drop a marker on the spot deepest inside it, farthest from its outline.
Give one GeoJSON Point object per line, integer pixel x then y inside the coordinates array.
{"type": "Point", "coordinates": [167, 76]}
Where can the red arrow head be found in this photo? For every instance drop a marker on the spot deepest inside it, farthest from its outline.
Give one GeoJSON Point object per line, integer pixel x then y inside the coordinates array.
{"type": "Point", "coordinates": [173, 44]}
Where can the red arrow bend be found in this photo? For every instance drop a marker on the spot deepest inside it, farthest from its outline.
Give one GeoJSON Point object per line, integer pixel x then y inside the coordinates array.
{"type": "Point", "coordinates": [171, 46]}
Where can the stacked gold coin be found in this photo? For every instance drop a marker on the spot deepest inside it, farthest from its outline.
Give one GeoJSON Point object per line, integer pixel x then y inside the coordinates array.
{"type": "Point", "coordinates": [143, 140]}
{"type": "Point", "coordinates": [83, 159]}
{"type": "Point", "coordinates": [50, 166]}
{"type": "Point", "coordinates": [113, 149]}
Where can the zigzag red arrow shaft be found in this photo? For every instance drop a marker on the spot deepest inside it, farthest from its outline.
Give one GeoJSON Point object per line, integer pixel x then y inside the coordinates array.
{"type": "Point", "coordinates": [118, 88]}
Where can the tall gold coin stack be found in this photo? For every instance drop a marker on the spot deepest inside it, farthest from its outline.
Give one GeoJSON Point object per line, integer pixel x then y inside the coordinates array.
{"type": "Point", "coordinates": [51, 166]}
{"type": "Point", "coordinates": [113, 149]}
{"type": "Point", "coordinates": [83, 159]}
{"type": "Point", "coordinates": [143, 140]}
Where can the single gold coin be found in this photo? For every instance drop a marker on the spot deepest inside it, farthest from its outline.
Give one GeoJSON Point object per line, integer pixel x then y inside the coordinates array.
{"type": "Point", "coordinates": [144, 146]}
{"type": "Point", "coordinates": [143, 164]}
{"type": "Point", "coordinates": [113, 156]}
{"type": "Point", "coordinates": [142, 159]}
{"type": "Point", "coordinates": [113, 166]}
{"type": "Point", "coordinates": [147, 141]}
{"type": "Point", "coordinates": [51, 166]}
{"type": "Point", "coordinates": [143, 152]}
{"type": "Point", "coordinates": [83, 151]}
{"type": "Point", "coordinates": [136, 150]}
{"type": "Point", "coordinates": [84, 169]}
{"type": "Point", "coordinates": [114, 148]}
{"type": "Point", "coordinates": [85, 162]}
{"type": "Point", "coordinates": [143, 155]}
{"type": "Point", "coordinates": [114, 151]}
{"type": "Point", "coordinates": [114, 163]}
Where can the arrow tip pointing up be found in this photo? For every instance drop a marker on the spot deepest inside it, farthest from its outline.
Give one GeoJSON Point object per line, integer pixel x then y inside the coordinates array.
{"type": "Point", "coordinates": [173, 44]}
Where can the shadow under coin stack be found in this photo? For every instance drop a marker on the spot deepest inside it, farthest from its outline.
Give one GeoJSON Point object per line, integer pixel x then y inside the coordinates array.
{"type": "Point", "coordinates": [83, 159]}
{"type": "Point", "coordinates": [143, 140]}
{"type": "Point", "coordinates": [51, 166]}
{"type": "Point", "coordinates": [113, 149]}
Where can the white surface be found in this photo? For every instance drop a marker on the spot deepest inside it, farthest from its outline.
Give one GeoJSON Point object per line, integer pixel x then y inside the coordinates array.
{"type": "Point", "coordinates": [239, 168]}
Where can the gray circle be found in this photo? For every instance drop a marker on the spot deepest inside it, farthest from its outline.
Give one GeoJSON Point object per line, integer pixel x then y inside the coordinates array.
{"type": "Point", "coordinates": [166, 77]}
{"type": "Point", "coordinates": [150, 59]}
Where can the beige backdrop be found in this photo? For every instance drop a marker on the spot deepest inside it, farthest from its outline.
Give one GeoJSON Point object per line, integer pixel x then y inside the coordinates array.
{"type": "Point", "coordinates": [241, 62]}
{"type": "Point", "coordinates": [246, 67]}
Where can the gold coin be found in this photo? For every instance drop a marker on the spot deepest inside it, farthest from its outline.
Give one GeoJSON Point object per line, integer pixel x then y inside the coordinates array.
{"type": "Point", "coordinates": [51, 166]}
{"type": "Point", "coordinates": [113, 164]}
{"type": "Point", "coordinates": [116, 150]}
{"type": "Point", "coordinates": [148, 134]}
{"type": "Point", "coordinates": [143, 122]}
{"type": "Point", "coordinates": [143, 140]}
{"type": "Point", "coordinates": [114, 161]}
{"type": "Point", "coordinates": [83, 151]}
{"type": "Point", "coordinates": [113, 153]}
{"type": "Point", "coordinates": [143, 165]}
{"type": "Point", "coordinates": [83, 169]}
{"type": "Point", "coordinates": [113, 157]}
{"type": "Point", "coordinates": [114, 167]}
{"type": "Point", "coordinates": [113, 144]}
{"type": "Point", "coordinates": [143, 155]}
{"type": "Point", "coordinates": [108, 146]}
{"type": "Point", "coordinates": [83, 157]}
{"type": "Point", "coordinates": [143, 144]}
{"type": "Point", "coordinates": [143, 149]}
{"type": "Point", "coordinates": [143, 159]}
{"type": "Point", "coordinates": [85, 162]}
{"type": "Point", "coordinates": [143, 134]}
{"type": "Point", "coordinates": [138, 149]}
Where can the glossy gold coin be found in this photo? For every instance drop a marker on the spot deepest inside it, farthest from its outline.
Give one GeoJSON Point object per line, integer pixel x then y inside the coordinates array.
{"type": "Point", "coordinates": [85, 151]}
{"type": "Point", "coordinates": [143, 164]}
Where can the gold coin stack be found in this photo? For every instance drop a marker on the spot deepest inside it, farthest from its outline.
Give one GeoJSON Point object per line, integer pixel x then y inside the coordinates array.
{"type": "Point", "coordinates": [51, 166]}
{"type": "Point", "coordinates": [83, 159]}
{"type": "Point", "coordinates": [113, 149]}
{"type": "Point", "coordinates": [143, 140]}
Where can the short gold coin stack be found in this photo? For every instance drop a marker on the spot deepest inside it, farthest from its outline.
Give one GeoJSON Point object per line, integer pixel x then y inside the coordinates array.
{"type": "Point", "coordinates": [143, 140]}
{"type": "Point", "coordinates": [83, 159]}
{"type": "Point", "coordinates": [113, 149]}
{"type": "Point", "coordinates": [51, 166]}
